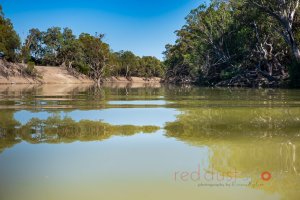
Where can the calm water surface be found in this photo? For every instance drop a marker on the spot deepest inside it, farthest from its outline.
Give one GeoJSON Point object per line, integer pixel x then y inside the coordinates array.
{"type": "Point", "coordinates": [140, 142]}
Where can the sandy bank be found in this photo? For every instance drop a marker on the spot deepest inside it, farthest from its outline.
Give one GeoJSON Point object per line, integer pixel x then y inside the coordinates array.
{"type": "Point", "coordinates": [11, 73]}
{"type": "Point", "coordinates": [132, 79]}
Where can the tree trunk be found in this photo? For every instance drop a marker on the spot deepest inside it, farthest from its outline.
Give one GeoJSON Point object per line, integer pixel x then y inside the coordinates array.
{"type": "Point", "coordinates": [285, 16]}
{"type": "Point", "coordinates": [127, 69]}
{"type": "Point", "coordinates": [70, 64]}
{"type": "Point", "coordinates": [289, 37]}
{"type": "Point", "coordinates": [99, 81]}
{"type": "Point", "coordinates": [296, 52]}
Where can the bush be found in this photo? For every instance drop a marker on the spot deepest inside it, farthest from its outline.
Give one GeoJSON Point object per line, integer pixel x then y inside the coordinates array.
{"type": "Point", "coordinates": [229, 73]}
{"type": "Point", "coordinates": [30, 69]}
{"type": "Point", "coordinates": [81, 67]}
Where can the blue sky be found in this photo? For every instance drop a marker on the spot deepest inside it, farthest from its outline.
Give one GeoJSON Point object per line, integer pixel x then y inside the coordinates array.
{"type": "Point", "coordinates": [141, 26]}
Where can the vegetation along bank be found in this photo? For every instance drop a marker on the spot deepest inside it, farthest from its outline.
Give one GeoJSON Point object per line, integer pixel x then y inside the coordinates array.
{"type": "Point", "coordinates": [247, 43]}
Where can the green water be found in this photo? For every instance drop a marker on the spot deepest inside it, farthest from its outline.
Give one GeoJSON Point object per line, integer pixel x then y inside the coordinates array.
{"type": "Point", "coordinates": [141, 142]}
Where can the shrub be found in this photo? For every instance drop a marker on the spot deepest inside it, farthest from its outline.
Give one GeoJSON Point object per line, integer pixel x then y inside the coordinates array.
{"type": "Point", "coordinates": [30, 69]}
{"type": "Point", "coordinates": [81, 67]}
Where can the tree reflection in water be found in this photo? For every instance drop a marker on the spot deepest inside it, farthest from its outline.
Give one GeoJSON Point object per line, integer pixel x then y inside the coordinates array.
{"type": "Point", "coordinates": [61, 130]}
{"type": "Point", "coordinates": [250, 140]}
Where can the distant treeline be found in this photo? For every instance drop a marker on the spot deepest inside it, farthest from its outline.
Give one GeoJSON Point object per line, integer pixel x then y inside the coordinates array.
{"type": "Point", "coordinates": [87, 53]}
{"type": "Point", "coordinates": [238, 42]}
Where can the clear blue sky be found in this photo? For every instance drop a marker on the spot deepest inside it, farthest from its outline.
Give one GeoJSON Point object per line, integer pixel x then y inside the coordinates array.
{"type": "Point", "coordinates": [141, 26]}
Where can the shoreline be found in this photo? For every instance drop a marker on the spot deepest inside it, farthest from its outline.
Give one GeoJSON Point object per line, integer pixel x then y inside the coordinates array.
{"type": "Point", "coordinates": [12, 75]}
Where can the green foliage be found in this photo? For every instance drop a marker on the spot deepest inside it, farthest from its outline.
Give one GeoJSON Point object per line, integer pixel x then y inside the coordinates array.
{"type": "Point", "coordinates": [33, 46]}
{"type": "Point", "coordinates": [81, 67]}
{"type": "Point", "coordinates": [70, 51]}
{"type": "Point", "coordinates": [87, 54]}
{"type": "Point", "coordinates": [95, 54]}
{"type": "Point", "coordinates": [227, 39]}
{"type": "Point", "coordinates": [128, 63]}
{"type": "Point", "coordinates": [52, 39]}
{"type": "Point", "coordinates": [125, 63]}
{"type": "Point", "coordinates": [228, 73]}
{"type": "Point", "coordinates": [9, 40]}
{"type": "Point", "coordinates": [30, 69]}
{"type": "Point", "coordinates": [151, 66]}
{"type": "Point", "coordinates": [202, 47]}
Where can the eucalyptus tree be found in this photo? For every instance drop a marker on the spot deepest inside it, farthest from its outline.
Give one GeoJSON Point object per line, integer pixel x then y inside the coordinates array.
{"type": "Point", "coordinates": [151, 66]}
{"type": "Point", "coordinates": [52, 39]}
{"type": "Point", "coordinates": [202, 47]}
{"type": "Point", "coordinates": [95, 54]}
{"type": "Point", "coordinates": [237, 40]}
{"type": "Point", "coordinates": [128, 63]}
{"type": "Point", "coordinates": [70, 52]}
{"type": "Point", "coordinates": [33, 46]}
{"type": "Point", "coordinates": [284, 12]}
{"type": "Point", "coordinates": [9, 39]}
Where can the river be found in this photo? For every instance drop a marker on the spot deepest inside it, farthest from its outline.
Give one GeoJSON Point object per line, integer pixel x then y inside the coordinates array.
{"type": "Point", "coordinates": [142, 142]}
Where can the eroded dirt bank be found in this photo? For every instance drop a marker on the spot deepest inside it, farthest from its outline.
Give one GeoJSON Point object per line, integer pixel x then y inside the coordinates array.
{"type": "Point", "coordinates": [11, 73]}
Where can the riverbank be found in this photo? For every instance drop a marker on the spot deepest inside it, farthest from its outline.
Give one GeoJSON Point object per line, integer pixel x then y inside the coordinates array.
{"type": "Point", "coordinates": [11, 73]}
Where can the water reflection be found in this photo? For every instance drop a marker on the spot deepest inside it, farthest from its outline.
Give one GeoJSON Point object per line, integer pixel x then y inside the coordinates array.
{"type": "Point", "coordinates": [249, 140]}
{"type": "Point", "coordinates": [85, 142]}
{"type": "Point", "coordinates": [115, 116]}
{"type": "Point", "coordinates": [55, 129]}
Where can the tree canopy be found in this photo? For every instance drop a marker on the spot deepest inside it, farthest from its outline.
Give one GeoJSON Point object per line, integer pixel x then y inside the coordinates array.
{"type": "Point", "coordinates": [237, 42]}
{"type": "Point", "coordinates": [9, 39]}
{"type": "Point", "coordinates": [87, 54]}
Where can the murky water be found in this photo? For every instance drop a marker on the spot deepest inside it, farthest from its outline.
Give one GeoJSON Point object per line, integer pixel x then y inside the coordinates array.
{"type": "Point", "coordinates": [125, 142]}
